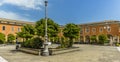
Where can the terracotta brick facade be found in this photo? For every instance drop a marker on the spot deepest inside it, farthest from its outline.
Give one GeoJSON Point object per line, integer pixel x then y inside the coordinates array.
{"type": "Point", "coordinates": [110, 28]}
{"type": "Point", "coordinates": [8, 26]}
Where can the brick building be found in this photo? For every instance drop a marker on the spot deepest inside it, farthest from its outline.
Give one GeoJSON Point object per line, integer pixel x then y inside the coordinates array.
{"type": "Point", "coordinates": [110, 28]}
{"type": "Point", "coordinates": [8, 26]}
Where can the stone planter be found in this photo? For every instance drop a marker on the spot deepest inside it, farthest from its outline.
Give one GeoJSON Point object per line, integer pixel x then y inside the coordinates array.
{"type": "Point", "coordinates": [52, 51]}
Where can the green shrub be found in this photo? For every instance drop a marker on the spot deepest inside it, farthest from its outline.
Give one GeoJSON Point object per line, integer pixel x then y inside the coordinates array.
{"type": "Point", "coordinates": [117, 44]}
{"type": "Point", "coordinates": [37, 42]}
{"type": "Point", "coordinates": [1, 42]}
{"type": "Point", "coordinates": [33, 43]}
{"type": "Point", "coordinates": [2, 38]}
{"type": "Point", "coordinates": [64, 43]}
{"type": "Point", "coordinates": [102, 39]}
{"type": "Point", "coordinates": [10, 38]}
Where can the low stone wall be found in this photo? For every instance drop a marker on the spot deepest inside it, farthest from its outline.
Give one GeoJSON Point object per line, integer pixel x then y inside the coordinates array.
{"type": "Point", "coordinates": [64, 50]}
{"type": "Point", "coordinates": [53, 51]}
{"type": "Point", "coordinates": [29, 50]}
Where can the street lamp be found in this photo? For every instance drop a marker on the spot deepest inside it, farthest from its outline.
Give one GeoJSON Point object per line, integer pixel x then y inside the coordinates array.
{"type": "Point", "coordinates": [17, 44]}
{"type": "Point", "coordinates": [45, 51]}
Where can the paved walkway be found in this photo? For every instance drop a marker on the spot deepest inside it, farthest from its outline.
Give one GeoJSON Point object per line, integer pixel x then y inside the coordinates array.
{"type": "Point", "coordinates": [2, 59]}
{"type": "Point", "coordinates": [118, 49]}
{"type": "Point", "coordinates": [86, 53]}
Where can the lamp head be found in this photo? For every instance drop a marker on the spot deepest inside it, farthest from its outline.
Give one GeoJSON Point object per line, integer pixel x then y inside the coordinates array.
{"type": "Point", "coordinates": [46, 3]}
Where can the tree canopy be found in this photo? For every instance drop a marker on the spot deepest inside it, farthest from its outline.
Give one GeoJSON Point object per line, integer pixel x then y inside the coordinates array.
{"type": "Point", "coordinates": [52, 29]}
{"type": "Point", "coordinates": [71, 30]}
{"type": "Point", "coordinates": [93, 38]}
{"type": "Point", "coordinates": [27, 31]}
{"type": "Point", "coordinates": [2, 38]}
{"type": "Point", "coordinates": [11, 37]}
{"type": "Point", "coordinates": [102, 38]}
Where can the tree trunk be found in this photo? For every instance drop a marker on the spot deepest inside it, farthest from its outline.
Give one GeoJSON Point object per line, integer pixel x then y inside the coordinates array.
{"type": "Point", "coordinates": [70, 42]}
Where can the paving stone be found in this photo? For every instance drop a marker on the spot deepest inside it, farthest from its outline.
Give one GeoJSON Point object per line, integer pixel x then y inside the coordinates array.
{"type": "Point", "coordinates": [86, 53]}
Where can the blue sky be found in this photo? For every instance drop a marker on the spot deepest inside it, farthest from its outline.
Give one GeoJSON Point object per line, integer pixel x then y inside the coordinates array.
{"type": "Point", "coordinates": [61, 11]}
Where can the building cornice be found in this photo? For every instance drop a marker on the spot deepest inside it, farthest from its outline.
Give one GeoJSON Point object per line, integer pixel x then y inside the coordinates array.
{"type": "Point", "coordinates": [101, 23]}
{"type": "Point", "coordinates": [14, 22]}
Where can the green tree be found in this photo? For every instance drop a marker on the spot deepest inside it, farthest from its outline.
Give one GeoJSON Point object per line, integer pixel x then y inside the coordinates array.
{"type": "Point", "coordinates": [36, 43]}
{"type": "Point", "coordinates": [28, 31]}
{"type": "Point", "coordinates": [2, 38]}
{"type": "Point", "coordinates": [53, 28]}
{"type": "Point", "coordinates": [93, 39]}
{"type": "Point", "coordinates": [102, 38]}
{"type": "Point", "coordinates": [71, 31]}
{"type": "Point", "coordinates": [10, 38]}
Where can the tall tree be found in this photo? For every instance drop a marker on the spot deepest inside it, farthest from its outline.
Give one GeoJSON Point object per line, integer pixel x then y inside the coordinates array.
{"type": "Point", "coordinates": [10, 38]}
{"type": "Point", "coordinates": [52, 29]}
{"type": "Point", "coordinates": [71, 31]}
{"type": "Point", "coordinates": [2, 38]}
{"type": "Point", "coordinates": [102, 38]}
{"type": "Point", "coordinates": [27, 31]}
{"type": "Point", "coordinates": [93, 39]}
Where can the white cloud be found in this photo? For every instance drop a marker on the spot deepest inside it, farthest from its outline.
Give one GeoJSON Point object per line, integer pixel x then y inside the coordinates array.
{"type": "Point", "coordinates": [11, 15]}
{"type": "Point", "coordinates": [26, 4]}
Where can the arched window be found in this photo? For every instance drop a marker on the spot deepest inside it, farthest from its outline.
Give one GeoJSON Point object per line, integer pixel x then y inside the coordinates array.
{"type": "Point", "coordinates": [3, 27]}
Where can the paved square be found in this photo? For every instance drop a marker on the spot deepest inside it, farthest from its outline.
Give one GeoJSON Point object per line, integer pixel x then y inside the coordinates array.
{"type": "Point", "coordinates": [86, 53]}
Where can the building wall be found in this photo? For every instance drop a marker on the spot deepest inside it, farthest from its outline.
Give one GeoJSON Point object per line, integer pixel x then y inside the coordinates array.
{"type": "Point", "coordinates": [94, 29]}
{"type": "Point", "coordinates": [12, 26]}
{"type": "Point", "coordinates": [8, 29]}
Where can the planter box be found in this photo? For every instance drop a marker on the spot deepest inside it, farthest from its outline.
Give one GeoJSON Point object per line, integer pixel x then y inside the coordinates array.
{"type": "Point", "coordinates": [52, 51]}
{"type": "Point", "coordinates": [63, 50]}
{"type": "Point", "coordinates": [29, 50]}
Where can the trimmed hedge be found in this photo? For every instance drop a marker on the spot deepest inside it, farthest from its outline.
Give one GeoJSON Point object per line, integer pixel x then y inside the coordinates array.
{"type": "Point", "coordinates": [33, 43]}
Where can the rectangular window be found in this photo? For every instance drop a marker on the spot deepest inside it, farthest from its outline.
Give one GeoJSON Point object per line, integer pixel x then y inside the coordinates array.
{"type": "Point", "coordinates": [18, 29]}
{"type": "Point", "coordinates": [81, 31]}
{"type": "Point", "coordinates": [87, 29]}
{"type": "Point", "coordinates": [12, 28]}
{"type": "Point", "coordinates": [3, 27]}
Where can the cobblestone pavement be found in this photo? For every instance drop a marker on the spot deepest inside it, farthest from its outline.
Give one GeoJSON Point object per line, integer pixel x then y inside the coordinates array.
{"type": "Point", "coordinates": [86, 53]}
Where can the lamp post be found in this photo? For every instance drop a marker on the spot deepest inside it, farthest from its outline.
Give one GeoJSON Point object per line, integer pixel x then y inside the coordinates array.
{"type": "Point", "coordinates": [17, 45]}
{"type": "Point", "coordinates": [45, 51]}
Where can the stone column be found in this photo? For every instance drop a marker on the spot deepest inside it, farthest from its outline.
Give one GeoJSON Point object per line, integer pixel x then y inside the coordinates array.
{"type": "Point", "coordinates": [97, 38]}
{"type": "Point", "coordinates": [111, 41]}
{"type": "Point", "coordinates": [83, 38]}
{"type": "Point", "coordinates": [90, 39]}
{"type": "Point", "coordinates": [118, 39]}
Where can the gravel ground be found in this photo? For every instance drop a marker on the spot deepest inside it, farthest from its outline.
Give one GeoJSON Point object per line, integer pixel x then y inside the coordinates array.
{"type": "Point", "coordinates": [86, 53]}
